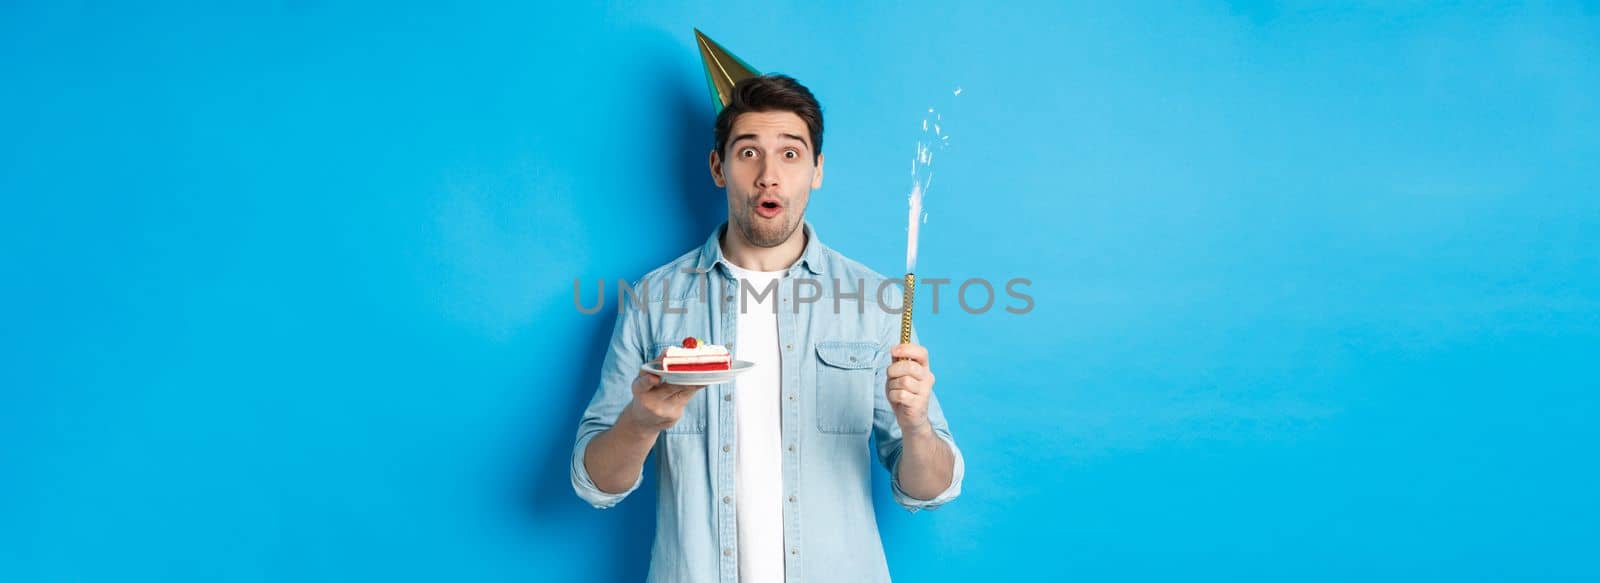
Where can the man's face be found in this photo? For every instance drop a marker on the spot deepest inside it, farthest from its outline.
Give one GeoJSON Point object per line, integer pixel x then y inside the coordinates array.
{"type": "Point", "coordinates": [768, 173]}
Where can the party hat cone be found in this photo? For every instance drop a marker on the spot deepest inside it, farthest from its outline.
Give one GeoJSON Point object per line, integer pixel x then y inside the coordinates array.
{"type": "Point", "coordinates": [722, 70]}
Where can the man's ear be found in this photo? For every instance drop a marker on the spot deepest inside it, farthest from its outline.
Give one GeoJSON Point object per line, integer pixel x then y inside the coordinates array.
{"type": "Point", "coordinates": [716, 170]}
{"type": "Point", "coordinates": [816, 177]}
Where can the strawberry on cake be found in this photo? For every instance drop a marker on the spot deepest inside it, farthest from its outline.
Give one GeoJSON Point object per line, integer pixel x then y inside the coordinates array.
{"type": "Point", "coordinates": [696, 356]}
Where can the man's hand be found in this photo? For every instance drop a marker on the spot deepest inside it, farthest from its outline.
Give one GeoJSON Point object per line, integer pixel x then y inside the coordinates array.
{"type": "Point", "coordinates": [910, 387]}
{"type": "Point", "coordinates": [657, 405]}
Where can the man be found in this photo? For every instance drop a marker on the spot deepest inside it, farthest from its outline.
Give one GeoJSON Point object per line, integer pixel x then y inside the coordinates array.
{"type": "Point", "coordinates": [767, 478]}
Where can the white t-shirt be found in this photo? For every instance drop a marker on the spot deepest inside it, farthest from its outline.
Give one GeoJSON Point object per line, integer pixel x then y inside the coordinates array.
{"type": "Point", "coordinates": [758, 422]}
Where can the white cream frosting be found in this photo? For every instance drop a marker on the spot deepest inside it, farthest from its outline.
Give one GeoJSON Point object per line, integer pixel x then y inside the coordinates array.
{"type": "Point", "coordinates": [698, 351]}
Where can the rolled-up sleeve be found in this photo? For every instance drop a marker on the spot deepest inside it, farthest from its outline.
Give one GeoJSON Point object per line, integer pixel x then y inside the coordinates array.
{"type": "Point", "coordinates": [584, 485]}
{"type": "Point", "coordinates": [890, 442]}
{"type": "Point", "coordinates": [624, 356]}
{"type": "Point", "coordinates": [890, 446]}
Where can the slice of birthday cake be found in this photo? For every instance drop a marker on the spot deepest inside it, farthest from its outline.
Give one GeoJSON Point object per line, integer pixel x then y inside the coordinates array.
{"type": "Point", "coordinates": [695, 355]}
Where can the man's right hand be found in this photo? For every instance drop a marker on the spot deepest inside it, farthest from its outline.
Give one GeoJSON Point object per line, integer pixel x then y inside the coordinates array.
{"type": "Point", "coordinates": [657, 405]}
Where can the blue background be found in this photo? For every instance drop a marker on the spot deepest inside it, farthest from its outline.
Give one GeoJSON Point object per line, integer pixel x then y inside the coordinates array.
{"type": "Point", "coordinates": [288, 287]}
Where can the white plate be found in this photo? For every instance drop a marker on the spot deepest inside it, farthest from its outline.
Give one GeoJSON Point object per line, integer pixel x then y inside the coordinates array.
{"type": "Point", "coordinates": [697, 377]}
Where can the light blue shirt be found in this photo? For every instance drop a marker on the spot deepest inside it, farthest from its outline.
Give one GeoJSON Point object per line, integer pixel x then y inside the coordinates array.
{"type": "Point", "coordinates": [834, 358]}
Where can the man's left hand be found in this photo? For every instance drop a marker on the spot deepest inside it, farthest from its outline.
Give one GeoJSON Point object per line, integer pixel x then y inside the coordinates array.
{"type": "Point", "coordinates": [910, 387]}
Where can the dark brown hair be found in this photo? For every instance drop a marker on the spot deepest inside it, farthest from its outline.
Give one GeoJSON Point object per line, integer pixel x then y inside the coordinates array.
{"type": "Point", "coordinates": [771, 93]}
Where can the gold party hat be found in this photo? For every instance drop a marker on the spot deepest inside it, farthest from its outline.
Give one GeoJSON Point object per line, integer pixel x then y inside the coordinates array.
{"type": "Point", "coordinates": [722, 70]}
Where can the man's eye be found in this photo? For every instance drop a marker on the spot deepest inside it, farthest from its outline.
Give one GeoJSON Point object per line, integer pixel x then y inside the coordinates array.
{"type": "Point", "coordinates": [747, 153]}
{"type": "Point", "coordinates": [791, 154]}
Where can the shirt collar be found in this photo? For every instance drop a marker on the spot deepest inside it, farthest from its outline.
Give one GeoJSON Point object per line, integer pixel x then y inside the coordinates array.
{"type": "Point", "coordinates": [811, 258]}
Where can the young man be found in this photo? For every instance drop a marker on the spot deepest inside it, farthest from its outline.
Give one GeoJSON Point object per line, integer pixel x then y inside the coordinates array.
{"type": "Point", "coordinates": [767, 478]}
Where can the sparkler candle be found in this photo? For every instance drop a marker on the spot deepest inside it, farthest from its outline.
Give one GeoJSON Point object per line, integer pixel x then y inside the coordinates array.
{"type": "Point", "coordinates": [911, 262]}
{"type": "Point", "coordinates": [921, 179]}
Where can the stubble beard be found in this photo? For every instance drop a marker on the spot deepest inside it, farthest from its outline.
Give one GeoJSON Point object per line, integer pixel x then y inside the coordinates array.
{"type": "Point", "coordinates": [767, 233]}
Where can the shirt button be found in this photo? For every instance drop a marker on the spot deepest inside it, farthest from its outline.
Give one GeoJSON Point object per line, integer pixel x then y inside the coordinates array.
{"type": "Point", "coordinates": [791, 396]}
{"type": "Point", "coordinates": [793, 498]}
{"type": "Point", "coordinates": [794, 551]}
{"type": "Point", "coordinates": [791, 447]}
{"type": "Point", "coordinates": [729, 500]}
{"type": "Point", "coordinates": [788, 347]}
{"type": "Point", "coordinates": [727, 298]}
{"type": "Point", "coordinates": [727, 448]}
{"type": "Point", "coordinates": [727, 397]}
{"type": "Point", "coordinates": [726, 552]}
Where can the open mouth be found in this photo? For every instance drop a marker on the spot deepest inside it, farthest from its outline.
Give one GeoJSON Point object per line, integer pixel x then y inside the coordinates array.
{"type": "Point", "coordinates": [769, 208]}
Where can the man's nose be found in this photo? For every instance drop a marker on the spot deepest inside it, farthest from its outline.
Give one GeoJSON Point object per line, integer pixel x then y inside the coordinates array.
{"type": "Point", "coordinates": [769, 174]}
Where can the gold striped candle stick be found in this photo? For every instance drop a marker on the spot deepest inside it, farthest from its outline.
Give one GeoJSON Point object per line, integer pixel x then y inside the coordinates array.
{"type": "Point", "coordinates": [905, 310]}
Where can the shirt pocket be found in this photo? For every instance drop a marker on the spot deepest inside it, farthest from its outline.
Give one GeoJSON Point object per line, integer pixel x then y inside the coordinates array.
{"type": "Point", "coordinates": [694, 412]}
{"type": "Point", "coordinates": [845, 373]}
